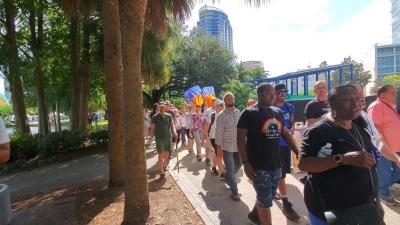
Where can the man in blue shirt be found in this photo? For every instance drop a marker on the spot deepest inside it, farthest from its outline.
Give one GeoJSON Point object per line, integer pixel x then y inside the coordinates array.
{"type": "Point", "coordinates": [287, 110]}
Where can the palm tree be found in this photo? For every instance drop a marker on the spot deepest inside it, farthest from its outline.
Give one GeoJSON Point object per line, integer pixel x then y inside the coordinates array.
{"type": "Point", "coordinates": [132, 17]}
{"type": "Point", "coordinates": [113, 74]}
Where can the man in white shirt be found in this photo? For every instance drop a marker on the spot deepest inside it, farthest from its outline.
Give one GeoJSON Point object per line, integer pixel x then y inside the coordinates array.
{"type": "Point", "coordinates": [4, 143]}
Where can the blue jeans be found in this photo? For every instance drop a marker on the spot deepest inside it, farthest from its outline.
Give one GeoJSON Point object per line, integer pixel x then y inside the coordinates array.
{"type": "Point", "coordinates": [197, 139]}
{"type": "Point", "coordinates": [182, 132]}
{"type": "Point", "coordinates": [266, 183]}
{"type": "Point", "coordinates": [232, 166]}
{"type": "Point", "coordinates": [388, 174]}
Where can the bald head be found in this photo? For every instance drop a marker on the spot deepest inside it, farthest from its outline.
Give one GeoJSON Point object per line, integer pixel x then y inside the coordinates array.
{"type": "Point", "coordinates": [321, 90]}
{"type": "Point", "coordinates": [266, 94]}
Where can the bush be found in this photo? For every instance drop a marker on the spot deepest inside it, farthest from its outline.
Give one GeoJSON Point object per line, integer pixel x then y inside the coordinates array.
{"type": "Point", "coordinates": [99, 136]}
{"type": "Point", "coordinates": [63, 141]}
{"type": "Point", "coordinates": [23, 147]}
{"type": "Point", "coordinates": [28, 147]}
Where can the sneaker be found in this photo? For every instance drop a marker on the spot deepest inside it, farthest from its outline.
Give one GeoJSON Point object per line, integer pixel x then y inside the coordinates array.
{"type": "Point", "coordinates": [289, 212]}
{"type": "Point", "coordinates": [222, 176]}
{"type": "Point", "coordinates": [235, 197]}
{"type": "Point", "coordinates": [198, 158]}
{"type": "Point", "coordinates": [278, 196]}
{"type": "Point", "coordinates": [388, 200]}
{"type": "Point", "coordinates": [214, 171]}
{"type": "Point", "coordinates": [208, 162]}
{"type": "Point", "coordinates": [253, 217]}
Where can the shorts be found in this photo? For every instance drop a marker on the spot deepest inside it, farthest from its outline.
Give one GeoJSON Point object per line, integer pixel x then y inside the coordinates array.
{"type": "Point", "coordinates": [163, 145]}
{"type": "Point", "coordinates": [285, 155]}
{"type": "Point", "coordinates": [265, 184]}
{"type": "Point", "coordinates": [189, 134]}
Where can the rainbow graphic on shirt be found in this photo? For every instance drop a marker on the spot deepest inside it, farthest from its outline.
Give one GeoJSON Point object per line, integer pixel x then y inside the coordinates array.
{"type": "Point", "coordinates": [272, 128]}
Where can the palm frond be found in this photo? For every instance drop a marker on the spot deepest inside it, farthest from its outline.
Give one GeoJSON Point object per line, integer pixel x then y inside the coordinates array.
{"type": "Point", "coordinates": [159, 13]}
{"type": "Point", "coordinates": [256, 3]}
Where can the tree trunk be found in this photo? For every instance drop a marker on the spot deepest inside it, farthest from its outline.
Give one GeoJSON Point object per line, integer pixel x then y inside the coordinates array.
{"type": "Point", "coordinates": [132, 16]}
{"type": "Point", "coordinates": [75, 81]}
{"type": "Point", "coordinates": [14, 76]}
{"type": "Point", "coordinates": [114, 93]}
{"type": "Point", "coordinates": [59, 127]}
{"type": "Point", "coordinates": [85, 76]}
{"type": "Point", "coordinates": [36, 43]}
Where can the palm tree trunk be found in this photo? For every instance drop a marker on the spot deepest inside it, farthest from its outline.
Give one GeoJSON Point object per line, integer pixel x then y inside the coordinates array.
{"type": "Point", "coordinates": [85, 76]}
{"type": "Point", "coordinates": [132, 17]}
{"type": "Point", "coordinates": [114, 93]}
{"type": "Point", "coordinates": [36, 46]}
{"type": "Point", "coordinates": [75, 81]}
{"type": "Point", "coordinates": [14, 76]}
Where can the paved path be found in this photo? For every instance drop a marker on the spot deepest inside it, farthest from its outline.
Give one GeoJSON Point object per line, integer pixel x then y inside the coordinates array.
{"type": "Point", "coordinates": [207, 193]}
{"type": "Point", "coordinates": [222, 210]}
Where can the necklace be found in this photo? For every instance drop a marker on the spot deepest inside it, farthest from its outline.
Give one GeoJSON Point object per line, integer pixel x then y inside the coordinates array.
{"type": "Point", "coordinates": [356, 135]}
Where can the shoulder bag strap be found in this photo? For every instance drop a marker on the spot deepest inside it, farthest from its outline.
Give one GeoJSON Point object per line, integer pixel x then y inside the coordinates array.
{"type": "Point", "coordinates": [395, 112]}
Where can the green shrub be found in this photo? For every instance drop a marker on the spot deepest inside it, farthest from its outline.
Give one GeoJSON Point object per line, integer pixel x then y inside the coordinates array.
{"type": "Point", "coordinates": [99, 136]}
{"type": "Point", "coordinates": [63, 141]}
{"type": "Point", "coordinates": [27, 147]}
{"type": "Point", "coordinates": [23, 147]}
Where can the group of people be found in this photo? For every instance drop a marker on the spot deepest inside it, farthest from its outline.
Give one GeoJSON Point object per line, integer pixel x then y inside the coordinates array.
{"type": "Point", "coordinates": [351, 153]}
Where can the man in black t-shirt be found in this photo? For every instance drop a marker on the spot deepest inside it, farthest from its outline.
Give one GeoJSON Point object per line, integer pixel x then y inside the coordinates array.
{"type": "Point", "coordinates": [259, 130]}
{"type": "Point", "coordinates": [316, 108]}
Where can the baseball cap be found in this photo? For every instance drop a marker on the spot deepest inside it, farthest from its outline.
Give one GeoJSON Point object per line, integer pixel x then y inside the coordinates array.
{"type": "Point", "coordinates": [217, 102]}
{"type": "Point", "coordinates": [280, 88]}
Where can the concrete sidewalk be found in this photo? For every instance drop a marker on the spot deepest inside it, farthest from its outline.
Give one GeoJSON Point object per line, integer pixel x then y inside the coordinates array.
{"type": "Point", "coordinates": [218, 208]}
{"type": "Point", "coordinates": [208, 195]}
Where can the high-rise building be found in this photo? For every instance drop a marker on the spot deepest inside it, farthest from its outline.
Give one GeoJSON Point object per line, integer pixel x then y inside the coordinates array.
{"type": "Point", "coordinates": [387, 57]}
{"type": "Point", "coordinates": [396, 21]}
{"type": "Point", "coordinates": [215, 22]}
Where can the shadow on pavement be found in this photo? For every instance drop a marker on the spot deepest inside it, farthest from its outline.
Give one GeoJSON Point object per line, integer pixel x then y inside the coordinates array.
{"type": "Point", "coordinates": [295, 196]}
{"type": "Point", "coordinates": [217, 193]}
{"type": "Point", "coordinates": [190, 162]}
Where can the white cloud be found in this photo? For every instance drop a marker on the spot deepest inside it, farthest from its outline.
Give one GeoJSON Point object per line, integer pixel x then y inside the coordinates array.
{"type": "Point", "coordinates": [286, 34]}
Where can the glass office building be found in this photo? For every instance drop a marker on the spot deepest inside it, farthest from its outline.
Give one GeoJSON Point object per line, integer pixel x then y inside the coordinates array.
{"type": "Point", "coordinates": [387, 57]}
{"type": "Point", "coordinates": [215, 22]}
{"type": "Point", "coordinates": [387, 60]}
{"type": "Point", "coordinates": [395, 21]}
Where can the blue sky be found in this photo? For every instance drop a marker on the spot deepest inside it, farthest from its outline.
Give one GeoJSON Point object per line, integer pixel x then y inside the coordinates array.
{"type": "Point", "coordinates": [288, 35]}
{"type": "Point", "coordinates": [343, 10]}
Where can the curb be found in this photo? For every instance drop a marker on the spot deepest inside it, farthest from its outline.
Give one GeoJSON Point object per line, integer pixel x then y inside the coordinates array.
{"type": "Point", "coordinates": [192, 194]}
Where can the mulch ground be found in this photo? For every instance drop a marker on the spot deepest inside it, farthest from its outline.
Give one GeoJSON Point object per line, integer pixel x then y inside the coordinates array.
{"type": "Point", "coordinates": [93, 203]}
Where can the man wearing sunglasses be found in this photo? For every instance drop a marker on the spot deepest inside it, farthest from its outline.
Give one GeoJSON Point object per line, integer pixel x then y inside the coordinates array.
{"type": "Point", "coordinates": [288, 118]}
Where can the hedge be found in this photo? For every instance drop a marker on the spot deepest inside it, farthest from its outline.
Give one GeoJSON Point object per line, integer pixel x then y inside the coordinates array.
{"type": "Point", "coordinates": [28, 147]}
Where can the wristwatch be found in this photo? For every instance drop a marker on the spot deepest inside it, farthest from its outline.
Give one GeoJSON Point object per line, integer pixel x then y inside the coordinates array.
{"type": "Point", "coordinates": [338, 159]}
{"type": "Point", "coordinates": [244, 161]}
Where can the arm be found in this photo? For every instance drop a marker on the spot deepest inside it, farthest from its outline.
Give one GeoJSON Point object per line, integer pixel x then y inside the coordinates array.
{"type": "Point", "coordinates": [205, 132]}
{"type": "Point", "coordinates": [173, 130]}
{"type": "Point", "coordinates": [288, 137]}
{"type": "Point", "coordinates": [4, 152]}
{"type": "Point", "coordinates": [389, 154]}
{"type": "Point", "coordinates": [152, 128]}
{"type": "Point", "coordinates": [293, 122]}
{"type": "Point", "coordinates": [218, 132]}
{"type": "Point", "coordinates": [241, 142]}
